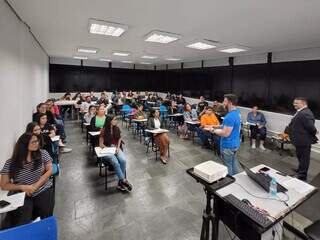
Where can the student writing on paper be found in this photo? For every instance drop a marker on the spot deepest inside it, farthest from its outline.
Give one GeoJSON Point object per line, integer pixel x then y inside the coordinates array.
{"type": "Point", "coordinates": [110, 136]}
{"type": "Point", "coordinates": [161, 139]}
{"type": "Point", "coordinates": [29, 170]}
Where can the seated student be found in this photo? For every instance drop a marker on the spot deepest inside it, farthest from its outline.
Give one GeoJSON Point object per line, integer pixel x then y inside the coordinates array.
{"type": "Point", "coordinates": [103, 99]}
{"type": "Point", "coordinates": [84, 107]}
{"type": "Point", "coordinates": [110, 136]}
{"type": "Point", "coordinates": [130, 94]}
{"type": "Point", "coordinates": [54, 109]}
{"type": "Point", "coordinates": [207, 120]}
{"type": "Point", "coordinates": [140, 113]}
{"type": "Point", "coordinates": [93, 97]}
{"type": "Point", "coordinates": [219, 108]}
{"type": "Point", "coordinates": [189, 114]}
{"type": "Point", "coordinates": [77, 96]}
{"type": "Point", "coordinates": [51, 107]}
{"type": "Point", "coordinates": [42, 108]}
{"type": "Point", "coordinates": [45, 141]}
{"type": "Point", "coordinates": [28, 170]}
{"type": "Point", "coordinates": [181, 101]}
{"type": "Point", "coordinates": [260, 122]}
{"type": "Point", "coordinates": [90, 114]}
{"type": "Point", "coordinates": [201, 106]}
{"type": "Point", "coordinates": [97, 122]}
{"type": "Point", "coordinates": [65, 109]}
{"type": "Point", "coordinates": [168, 96]}
{"type": "Point", "coordinates": [173, 109]}
{"type": "Point", "coordinates": [47, 129]}
{"type": "Point", "coordinates": [161, 139]}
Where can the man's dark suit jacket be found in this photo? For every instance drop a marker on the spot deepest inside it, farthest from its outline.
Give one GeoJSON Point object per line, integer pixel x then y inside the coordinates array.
{"type": "Point", "coordinates": [301, 129]}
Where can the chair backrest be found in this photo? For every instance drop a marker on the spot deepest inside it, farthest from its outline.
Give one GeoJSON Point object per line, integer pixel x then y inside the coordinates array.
{"type": "Point", "coordinates": [126, 107]}
{"type": "Point", "coordinates": [45, 229]}
{"type": "Point", "coordinates": [163, 108]}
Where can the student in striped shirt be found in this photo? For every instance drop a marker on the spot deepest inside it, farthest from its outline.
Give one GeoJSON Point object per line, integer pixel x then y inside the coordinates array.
{"type": "Point", "coordinates": [28, 170]}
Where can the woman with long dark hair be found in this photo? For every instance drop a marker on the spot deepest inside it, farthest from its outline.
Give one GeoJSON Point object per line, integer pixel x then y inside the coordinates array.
{"type": "Point", "coordinates": [161, 139]}
{"type": "Point", "coordinates": [45, 141]}
{"type": "Point", "coordinates": [29, 170]}
{"type": "Point", "coordinates": [110, 136]}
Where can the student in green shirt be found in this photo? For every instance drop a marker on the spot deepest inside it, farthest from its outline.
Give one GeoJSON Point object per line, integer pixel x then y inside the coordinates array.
{"type": "Point", "coordinates": [97, 122]}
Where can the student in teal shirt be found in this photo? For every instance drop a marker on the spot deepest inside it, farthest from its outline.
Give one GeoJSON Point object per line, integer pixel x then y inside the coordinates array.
{"type": "Point", "coordinates": [230, 134]}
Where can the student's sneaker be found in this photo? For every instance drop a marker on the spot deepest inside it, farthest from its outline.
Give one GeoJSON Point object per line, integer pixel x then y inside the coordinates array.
{"type": "Point", "coordinates": [262, 147]}
{"type": "Point", "coordinates": [65, 150]}
{"type": "Point", "coordinates": [61, 144]}
{"type": "Point", "coordinates": [253, 146]}
{"type": "Point", "coordinates": [121, 186]}
{"type": "Point", "coordinates": [128, 185]}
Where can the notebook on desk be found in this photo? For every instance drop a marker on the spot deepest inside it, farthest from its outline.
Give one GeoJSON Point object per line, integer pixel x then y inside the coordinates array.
{"type": "Point", "coordinates": [108, 150]}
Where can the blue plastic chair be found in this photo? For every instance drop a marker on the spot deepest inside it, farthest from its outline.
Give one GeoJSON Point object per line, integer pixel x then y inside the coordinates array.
{"type": "Point", "coordinates": [163, 112]}
{"type": "Point", "coordinates": [45, 229]}
{"type": "Point", "coordinates": [126, 110]}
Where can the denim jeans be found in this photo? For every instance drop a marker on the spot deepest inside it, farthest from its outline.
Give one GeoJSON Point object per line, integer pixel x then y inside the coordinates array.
{"type": "Point", "coordinates": [118, 162]}
{"type": "Point", "coordinates": [229, 158]}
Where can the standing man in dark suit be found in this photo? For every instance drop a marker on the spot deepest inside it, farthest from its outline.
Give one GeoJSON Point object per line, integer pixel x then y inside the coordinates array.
{"type": "Point", "coordinates": [302, 133]}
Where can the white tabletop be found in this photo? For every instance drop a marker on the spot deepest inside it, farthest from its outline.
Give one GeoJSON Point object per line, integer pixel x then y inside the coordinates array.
{"type": "Point", "coordinates": [245, 188]}
{"type": "Point", "coordinates": [158, 130]}
{"type": "Point", "coordinates": [55, 138]}
{"type": "Point", "coordinates": [95, 133]}
{"type": "Point", "coordinates": [102, 152]}
{"type": "Point", "coordinates": [16, 200]}
{"type": "Point", "coordinates": [193, 122]}
{"type": "Point", "coordinates": [86, 124]}
{"type": "Point", "coordinates": [175, 115]}
{"type": "Point", "coordinates": [140, 120]}
{"type": "Point", "coordinates": [249, 124]}
{"type": "Point", "coordinates": [65, 102]}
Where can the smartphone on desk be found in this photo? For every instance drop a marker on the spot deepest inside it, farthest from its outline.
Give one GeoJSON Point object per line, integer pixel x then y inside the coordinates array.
{"type": "Point", "coordinates": [4, 204]}
{"type": "Point", "coordinates": [264, 169]}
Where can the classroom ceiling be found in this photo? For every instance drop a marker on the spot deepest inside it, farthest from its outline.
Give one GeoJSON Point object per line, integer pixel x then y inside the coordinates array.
{"type": "Point", "coordinates": [62, 25]}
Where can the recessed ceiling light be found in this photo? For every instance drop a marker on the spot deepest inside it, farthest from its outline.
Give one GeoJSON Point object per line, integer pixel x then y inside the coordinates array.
{"type": "Point", "coordinates": [80, 57]}
{"type": "Point", "coordinates": [126, 61]}
{"type": "Point", "coordinates": [104, 60]}
{"type": "Point", "coordinates": [146, 63]}
{"type": "Point", "coordinates": [161, 37]}
{"type": "Point", "coordinates": [233, 49]}
{"type": "Point", "coordinates": [87, 50]}
{"type": "Point", "coordinates": [201, 45]}
{"type": "Point", "coordinates": [106, 28]}
{"type": "Point", "coordinates": [149, 57]}
{"type": "Point", "coordinates": [173, 59]}
{"type": "Point", "coordinates": [121, 54]}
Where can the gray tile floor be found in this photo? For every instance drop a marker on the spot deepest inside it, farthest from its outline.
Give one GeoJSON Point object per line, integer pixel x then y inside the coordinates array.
{"type": "Point", "coordinates": [165, 203]}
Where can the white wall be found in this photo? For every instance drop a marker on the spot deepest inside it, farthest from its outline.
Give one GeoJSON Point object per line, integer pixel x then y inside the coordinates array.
{"type": "Point", "coordinates": [24, 78]}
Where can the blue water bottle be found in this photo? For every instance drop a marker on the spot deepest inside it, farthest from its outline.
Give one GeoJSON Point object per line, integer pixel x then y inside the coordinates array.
{"type": "Point", "coordinates": [273, 188]}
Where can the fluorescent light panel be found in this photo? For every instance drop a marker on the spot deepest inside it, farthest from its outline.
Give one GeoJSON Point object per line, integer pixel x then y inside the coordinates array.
{"type": "Point", "coordinates": [173, 59]}
{"type": "Point", "coordinates": [87, 50]}
{"type": "Point", "coordinates": [233, 49]}
{"type": "Point", "coordinates": [104, 60]}
{"type": "Point", "coordinates": [80, 57]}
{"type": "Point", "coordinates": [145, 63]}
{"type": "Point", "coordinates": [161, 37]}
{"type": "Point", "coordinates": [149, 57]}
{"type": "Point", "coordinates": [200, 45]}
{"type": "Point", "coordinates": [121, 54]}
{"type": "Point", "coordinates": [106, 28]}
{"type": "Point", "coordinates": [126, 61]}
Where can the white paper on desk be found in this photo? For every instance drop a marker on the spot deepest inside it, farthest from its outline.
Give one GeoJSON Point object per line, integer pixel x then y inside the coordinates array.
{"type": "Point", "coordinates": [16, 200]}
{"type": "Point", "coordinates": [108, 150]}
{"type": "Point", "coordinates": [159, 130]}
{"type": "Point", "coordinates": [55, 138]}
{"type": "Point", "coordinates": [298, 185]}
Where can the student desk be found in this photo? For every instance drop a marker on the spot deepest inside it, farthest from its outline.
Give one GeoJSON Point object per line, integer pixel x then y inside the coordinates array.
{"type": "Point", "coordinates": [100, 153]}
{"type": "Point", "coordinates": [192, 125]}
{"type": "Point", "coordinates": [140, 127]}
{"type": "Point", "coordinates": [246, 188]}
{"type": "Point", "coordinates": [71, 103]}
